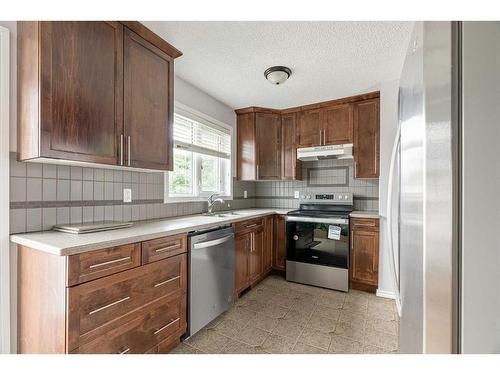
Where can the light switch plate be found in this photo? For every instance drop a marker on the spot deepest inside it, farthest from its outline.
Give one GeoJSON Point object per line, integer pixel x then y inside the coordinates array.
{"type": "Point", "coordinates": [127, 195]}
{"type": "Point", "coordinates": [245, 194]}
{"type": "Point", "coordinates": [296, 194]}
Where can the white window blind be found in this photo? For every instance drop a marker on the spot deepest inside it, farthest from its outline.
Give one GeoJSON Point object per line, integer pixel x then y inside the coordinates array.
{"type": "Point", "coordinates": [194, 136]}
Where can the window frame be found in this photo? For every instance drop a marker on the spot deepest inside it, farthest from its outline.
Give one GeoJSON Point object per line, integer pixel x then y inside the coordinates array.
{"type": "Point", "coordinates": [200, 117]}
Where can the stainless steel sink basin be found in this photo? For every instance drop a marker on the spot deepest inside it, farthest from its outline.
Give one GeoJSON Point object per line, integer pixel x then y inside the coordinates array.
{"type": "Point", "coordinates": [221, 214]}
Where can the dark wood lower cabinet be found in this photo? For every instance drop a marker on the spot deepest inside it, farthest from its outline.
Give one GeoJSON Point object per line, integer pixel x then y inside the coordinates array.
{"type": "Point", "coordinates": [279, 251]}
{"type": "Point", "coordinates": [364, 255]}
{"type": "Point", "coordinates": [132, 307]}
{"type": "Point", "coordinates": [242, 249]}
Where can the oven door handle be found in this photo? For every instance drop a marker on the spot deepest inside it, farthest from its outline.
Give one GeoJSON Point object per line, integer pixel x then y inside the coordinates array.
{"type": "Point", "coordinates": [317, 220]}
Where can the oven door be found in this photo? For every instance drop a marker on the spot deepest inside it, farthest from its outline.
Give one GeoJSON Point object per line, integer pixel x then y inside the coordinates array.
{"type": "Point", "coordinates": [318, 241]}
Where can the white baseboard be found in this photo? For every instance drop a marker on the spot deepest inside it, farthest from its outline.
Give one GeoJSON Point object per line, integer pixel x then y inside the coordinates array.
{"type": "Point", "coordinates": [385, 294]}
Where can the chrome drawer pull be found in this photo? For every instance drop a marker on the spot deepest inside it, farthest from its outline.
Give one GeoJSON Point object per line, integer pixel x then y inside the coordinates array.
{"type": "Point", "coordinates": [167, 281]}
{"type": "Point", "coordinates": [365, 225]}
{"type": "Point", "coordinates": [109, 262]}
{"type": "Point", "coordinates": [109, 305]}
{"type": "Point", "coordinates": [166, 326]}
{"type": "Point", "coordinates": [125, 351]}
{"type": "Point", "coordinates": [162, 249]}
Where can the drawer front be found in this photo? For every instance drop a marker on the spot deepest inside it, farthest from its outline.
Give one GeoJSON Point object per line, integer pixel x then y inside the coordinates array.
{"type": "Point", "coordinates": [365, 224]}
{"type": "Point", "coordinates": [95, 264]}
{"type": "Point", "coordinates": [94, 307]}
{"type": "Point", "coordinates": [167, 345]}
{"type": "Point", "coordinates": [164, 318]}
{"type": "Point", "coordinates": [248, 225]}
{"type": "Point", "coordinates": [164, 247]}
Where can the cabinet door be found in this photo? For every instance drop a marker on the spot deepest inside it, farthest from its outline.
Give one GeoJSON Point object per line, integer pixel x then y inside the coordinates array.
{"type": "Point", "coordinates": [256, 250]}
{"type": "Point", "coordinates": [268, 134]}
{"type": "Point", "coordinates": [81, 101]}
{"type": "Point", "coordinates": [267, 255]}
{"type": "Point", "coordinates": [279, 258]}
{"type": "Point", "coordinates": [242, 250]}
{"type": "Point", "coordinates": [364, 257]}
{"type": "Point", "coordinates": [366, 139]}
{"type": "Point", "coordinates": [337, 124]}
{"type": "Point", "coordinates": [291, 168]}
{"type": "Point", "coordinates": [148, 101]}
{"type": "Point", "coordinates": [309, 128]}
{"type": "Point", "coordinates": [246, 157]}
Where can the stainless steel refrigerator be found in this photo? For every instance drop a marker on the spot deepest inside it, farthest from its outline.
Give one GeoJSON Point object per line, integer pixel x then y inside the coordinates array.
{"type": "Point", "coordinates": [444, 182]}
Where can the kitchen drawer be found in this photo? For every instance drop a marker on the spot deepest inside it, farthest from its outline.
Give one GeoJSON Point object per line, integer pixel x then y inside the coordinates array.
{"type": "Point", "coordinates": [248, 225]}
{"type": "Point", "coordinates": [161, 320]}
{"type": "Point", "coordinates": [95, 264]}
{"type": "Point", "coordinates": [95, 307]}
{"type": "Point", "coordinates": [164, 247]}
{"type": "Point", "coordinates": [365, 224]}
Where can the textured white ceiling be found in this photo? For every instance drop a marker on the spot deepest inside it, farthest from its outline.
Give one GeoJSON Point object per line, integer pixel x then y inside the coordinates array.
{"type": "Point", "coordinates": [328, 59]}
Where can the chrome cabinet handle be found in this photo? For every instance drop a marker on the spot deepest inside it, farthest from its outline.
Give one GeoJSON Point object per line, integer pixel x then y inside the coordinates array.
{"type": "Point", "coordinates": [162, 249]}
{"type": "Point", "coordinates": [109, 305]}
{"type": "Point", "coordinates": [128, 150]}
{"type": "Point", "coordinates": [251, 225]}
{"type": "Point", "coordinates": [166, 326]}
{"type": "Point", "coordinates": [121, 149]}
{"type": "Point", "coordinates": [257, 171]}
{"type": "Point", "coordinates": [320, 141]}
{"type": "Point", "coordinates": [166, 281]}
{"type": "Point", "coordinates": [125, 351]}
{"type": "Point", "coordinates": [352, 238]}
{"type": "Point", "coordinates": [109, 262]}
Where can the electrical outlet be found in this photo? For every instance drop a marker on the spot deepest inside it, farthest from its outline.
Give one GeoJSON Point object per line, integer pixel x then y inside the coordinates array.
{"type": "Point", "coordinates": [127, 195]}
{"type": "Point", "coordinates": [245, 194]}
{"type": "Point", "coordinates": [296, 194]}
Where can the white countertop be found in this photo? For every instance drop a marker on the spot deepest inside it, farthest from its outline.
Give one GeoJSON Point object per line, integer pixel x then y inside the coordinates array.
{"type": "Point", "coordinates": [365, 214]}
{"type": "Point", "coordinates": [63, 244]}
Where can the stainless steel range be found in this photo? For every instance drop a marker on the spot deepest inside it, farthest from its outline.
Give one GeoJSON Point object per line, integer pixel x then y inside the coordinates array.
{"type": "Point", "coordinates": [318, 241]}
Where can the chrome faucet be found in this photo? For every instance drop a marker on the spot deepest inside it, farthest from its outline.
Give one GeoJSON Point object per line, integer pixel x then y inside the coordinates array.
{"type": "Point", "coordinates": [214, 198]}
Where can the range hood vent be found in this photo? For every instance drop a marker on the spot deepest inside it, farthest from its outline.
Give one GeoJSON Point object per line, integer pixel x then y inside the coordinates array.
{"type": "Point", "coordinates": [325, 152]}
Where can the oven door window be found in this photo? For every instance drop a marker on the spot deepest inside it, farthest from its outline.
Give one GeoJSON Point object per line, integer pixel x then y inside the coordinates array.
{"type": "Point", "coordinates": [310, 243]}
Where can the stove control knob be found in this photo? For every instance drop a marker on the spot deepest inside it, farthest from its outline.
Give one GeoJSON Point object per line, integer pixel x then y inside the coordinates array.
{"type": "Point", "coordinates": [303, 197]}
{"type": "Point", "coordinates": [308, 197]}
{"type": "Point", "coordinates": [346, 197]}
{"type": "Point", "coordinates": [340, 197]}
{"type": "Point", "coordinates": [295, 237]}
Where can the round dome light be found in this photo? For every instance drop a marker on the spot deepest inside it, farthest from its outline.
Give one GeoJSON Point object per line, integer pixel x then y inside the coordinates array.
{"type": "Point", "coordinates": [277, 75]}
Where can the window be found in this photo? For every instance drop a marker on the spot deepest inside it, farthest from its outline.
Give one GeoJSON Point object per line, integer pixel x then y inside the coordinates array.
{"type": "Point", "coordinates": [202, 159]}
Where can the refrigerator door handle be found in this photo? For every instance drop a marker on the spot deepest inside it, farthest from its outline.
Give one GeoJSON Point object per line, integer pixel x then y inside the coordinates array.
{"type": "Point", "coordinates": [390, 238]}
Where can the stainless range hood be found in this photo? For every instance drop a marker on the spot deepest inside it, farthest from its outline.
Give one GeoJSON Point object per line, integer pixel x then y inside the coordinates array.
{"type": "Point", "coordinates": [325, 152]}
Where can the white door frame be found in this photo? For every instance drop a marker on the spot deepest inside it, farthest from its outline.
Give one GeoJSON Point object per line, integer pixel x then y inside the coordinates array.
{"type": "Point", "coordinates": [4, 192]}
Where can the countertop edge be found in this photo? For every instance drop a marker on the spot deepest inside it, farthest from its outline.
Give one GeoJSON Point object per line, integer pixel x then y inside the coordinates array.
{"type": "Point", "coordinates": [365, 214]}
{"type": "Point", "coordinates": [21, 239]}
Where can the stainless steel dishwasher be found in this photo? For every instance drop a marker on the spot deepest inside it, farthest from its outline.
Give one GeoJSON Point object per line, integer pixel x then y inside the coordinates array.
{"type": "Point", "coordinates": [211, 276]}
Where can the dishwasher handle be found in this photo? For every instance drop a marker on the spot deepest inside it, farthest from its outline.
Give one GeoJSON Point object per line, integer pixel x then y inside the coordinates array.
{"type": "Point", "coordinates": [218, 241]}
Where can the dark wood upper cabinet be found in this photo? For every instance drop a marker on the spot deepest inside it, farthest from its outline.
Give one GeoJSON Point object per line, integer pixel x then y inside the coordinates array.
{"type": "Point", "coordinates": [246, 168]}
{"type": "Point", "coordinates": [148, 102]}
{"type": "Point", "coordinates": [309, 129]}
{"type": "Point", "coordinates": [268, 134]}
{"type": "Point", "coordinates": [291, 168]}
{"type": "Point", "coordinates": [367, 139]}
{"type": "Point", "coordinates": [337, 124]}
{"type": "Point", "coordinates": [72, 90]}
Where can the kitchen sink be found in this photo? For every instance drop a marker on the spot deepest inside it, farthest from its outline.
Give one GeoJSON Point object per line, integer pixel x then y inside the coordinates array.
{"type": "Point", "coordinates": [222, 214]}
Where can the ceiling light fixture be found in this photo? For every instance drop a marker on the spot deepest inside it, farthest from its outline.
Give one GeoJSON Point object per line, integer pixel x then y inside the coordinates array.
{"type": "Point", "coordinates": [277, 75]}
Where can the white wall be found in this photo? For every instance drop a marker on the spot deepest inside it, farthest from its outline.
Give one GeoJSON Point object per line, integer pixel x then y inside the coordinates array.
{"type": "Point", "coordinates": [388, 125]}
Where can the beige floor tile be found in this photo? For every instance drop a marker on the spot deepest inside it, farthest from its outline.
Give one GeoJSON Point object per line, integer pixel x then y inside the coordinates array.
{"type": "Point", "coordinates": [344, 345]}
{"type": "Point", "coordinates": [327, 312]}
{"type": "Point", "coordinates": [360, 307]}
{"type": "Point", "coordinates": [381, 340]}
{"type": "Point", "coordinates": [274, 311]}
{"type": "Point", "coordinates": [370, 349]}
{"type": "Point", "coordinates": [229, 327]}
{"type": "Point", "coordinates": [298, 317]}
{"type": "Point", "coordinates": [263, 322]}
{"type": "Point", "coordinates": [382, 314]}
{"type": "Point", "coordinates": [208, 341]}
{"type": "Point", "coordinates": [333, 303]}
{"type": "Point", "coordinates": [288, 329]}
{"type": "Point", "coordinates": [236, 347]}
{"type": "Point", "coordinates": [353, 331]}
{"type": "Point", "coordinates": [305, 307]}
{"type": "Point", "coordinates": [240, 314]}
{"type": "Point", "coordinates": [301, 348]}
{"type": "Point", "coordinates": [252, 304]}
{"type": "Point", "coordinates": [352, 317]}
{"type": "Point", "coordinates": [216, 321]}
{"type": "Point", "coordinates": [275, 344]}
{"type": "Point", "coordinates": [315, 338]}
{"type": "Point", "coordinates": [381, 303]}
{"type": "Point", "coordinates": [252, 336]}
{"type": "Point", "coordinates": [321, 323]}
{"type": "Point", "coordinates": [185, 349]}
{"type": "Point", "coordinates": [283, 301]}
{"type": "Point", "coordinates": [380, 325]}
